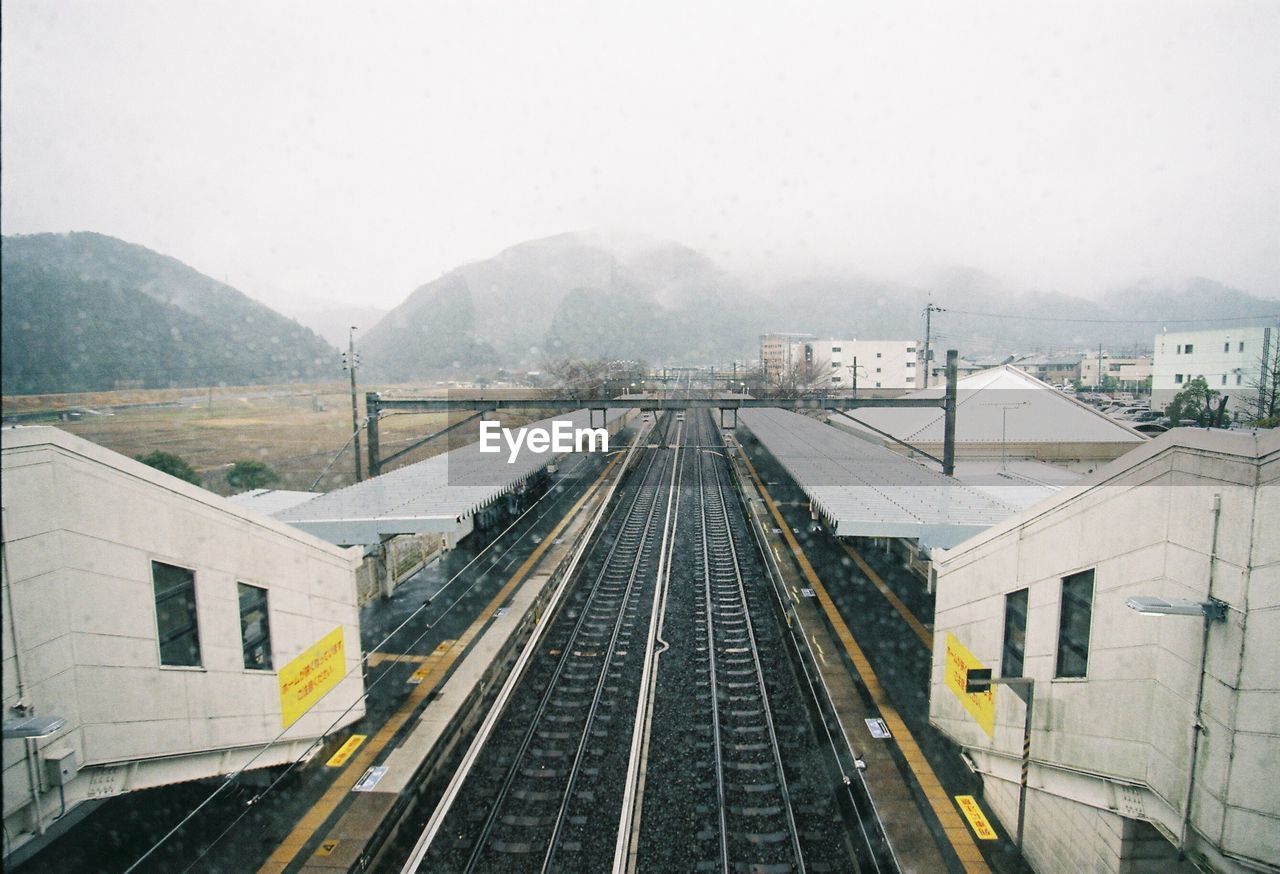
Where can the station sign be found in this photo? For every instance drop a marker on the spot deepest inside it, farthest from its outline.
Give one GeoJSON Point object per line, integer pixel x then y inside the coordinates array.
{"type": "Point", "coordinates": [311, 676]}
{"type": "Point", "coordinates": [981, 705]}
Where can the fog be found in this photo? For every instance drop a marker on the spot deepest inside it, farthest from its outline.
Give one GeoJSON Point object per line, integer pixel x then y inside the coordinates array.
{"type": "Point", "coordinates": [307, 152]}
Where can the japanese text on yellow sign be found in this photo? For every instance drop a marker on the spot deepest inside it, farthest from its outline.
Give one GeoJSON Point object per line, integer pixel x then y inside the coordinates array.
{"type": "Point", "coordinates": [306, 679]}
{"type": "Point", "coordinates": [972, 812]}
{"type": "Point", "coordinates": [346, 751]}
{"type": "Point", "coordinates": [981, 705]}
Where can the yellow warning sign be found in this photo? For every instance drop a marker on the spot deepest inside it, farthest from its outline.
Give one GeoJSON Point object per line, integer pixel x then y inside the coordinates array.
{"type": "Point", "coordinates": [972, 812]}
{"type": "Point", "coordinates": [327, 847]}
{"type": "Point", "coordinates": [338, 759]}
{"type": "Point", "coordinates": [306, 679]}
{"type": "Point", "coordinates": [981, 705]}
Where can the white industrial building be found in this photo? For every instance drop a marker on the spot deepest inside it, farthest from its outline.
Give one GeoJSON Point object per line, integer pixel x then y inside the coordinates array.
{"type": "Point", "coordinates": [842, 364]}
{"type": "Point", "coordinates": [1003, 414]}
{"type": "Point", "coordinates": [1231, 360]}
{"type": "Point", "coordinates": [1149, 734]}
{"type": "Point", "coordinates": [173, 634]}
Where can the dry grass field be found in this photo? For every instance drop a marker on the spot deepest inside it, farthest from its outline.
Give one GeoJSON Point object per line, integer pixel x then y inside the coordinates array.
{"type": "Point", "coordinates": [295, 430]}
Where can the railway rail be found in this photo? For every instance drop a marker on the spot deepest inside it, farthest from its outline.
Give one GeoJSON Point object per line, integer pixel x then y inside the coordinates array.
{"type": "Point", "coordinates": [660, 725]}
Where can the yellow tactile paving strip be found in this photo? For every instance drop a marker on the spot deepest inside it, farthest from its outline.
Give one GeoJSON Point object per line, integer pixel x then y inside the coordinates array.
{"type": "Point", "coordinates": [437, 664]}
{"type": "Point", "coordinates": [952, 825]}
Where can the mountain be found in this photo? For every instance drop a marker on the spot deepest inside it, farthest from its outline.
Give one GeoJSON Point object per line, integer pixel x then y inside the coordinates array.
{"type": "Point", "coordinates": [588, 295]}
{"type": "Point", "coordinates": [571, 294]}
{"type": "Point", "coordinates": [88, 312]}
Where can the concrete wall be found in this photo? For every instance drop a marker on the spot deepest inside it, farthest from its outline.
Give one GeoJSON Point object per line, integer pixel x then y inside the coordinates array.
{"type": "Point", "coordinates": [81, 527]}
{"type": "Point", "coordinates": [1120, 739]}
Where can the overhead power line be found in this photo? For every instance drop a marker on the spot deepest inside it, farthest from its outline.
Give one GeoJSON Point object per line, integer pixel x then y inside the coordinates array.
{"type": "Point", "coordinates": [1274, 316]}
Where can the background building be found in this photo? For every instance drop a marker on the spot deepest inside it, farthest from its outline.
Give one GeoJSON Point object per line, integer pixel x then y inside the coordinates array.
{"type": "Point", "coordinates": [175, 633]}
{"type": "Point", "coordinates": [1119, 776]}
{"type": "Point", "coordinates": [1004, 414]}
{"type": "Point", "coordinates": [1231, 360]}
{"type": "Point", "coordinates": [1131, 373]}
{"type": "Point", "coordinates": [883, 364]}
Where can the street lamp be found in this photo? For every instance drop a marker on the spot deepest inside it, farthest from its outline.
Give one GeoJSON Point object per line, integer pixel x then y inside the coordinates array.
{"type": "Point", "coordinates": [1213, 611]}
{"type": "Point", "coordinates": [1150, 605]}
{"type": "Point", "coordinates": [29, 729]}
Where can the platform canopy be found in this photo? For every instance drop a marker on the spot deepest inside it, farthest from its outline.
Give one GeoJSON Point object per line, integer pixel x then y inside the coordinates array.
{"type": "Point", "coordinates": [434, 495]}
{"type": "Point", "coordinates": [864, 490]}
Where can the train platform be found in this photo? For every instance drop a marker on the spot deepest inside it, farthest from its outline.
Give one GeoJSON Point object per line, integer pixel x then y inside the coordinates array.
{"type": "Point", "coordinates": [871, 624]}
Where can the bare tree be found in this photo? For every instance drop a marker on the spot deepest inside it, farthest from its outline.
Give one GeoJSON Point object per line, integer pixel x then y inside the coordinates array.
{"type": "Point", "coordinates": [592, 378]}
{"type": "Point", "coordinates": [1263, 405]}
{"type": "Point", "coordinates": [798, 379]}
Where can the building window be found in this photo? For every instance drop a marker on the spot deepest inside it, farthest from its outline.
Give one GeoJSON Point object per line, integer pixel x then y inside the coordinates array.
{"type": "Point", "coordinates": [1015, 633]}
{"type": "Point", "coordinates": [1241, 346]}
{"type": "Point", "coordinates": [1226, 347]}
{"type": "Point", "coordinates": [175, 590]}
{"type": "Point", "coordinates": [1177, 377]}
{"type": "Point", "coordinates": [877, 370]}
{"type": "Point", "coordinates": [877, 354]}
{"type": "Point", "coordinates": [835, 349]}
{"type": "Point", "coordinates": [911, 364]}
{"type": "Point", "coordinates": [1179, 348]}
{"type": "Point", "coordinates": [835, 363]}
{"type": "Point", "coordinates": [255, 627]}
{"type": "Point", "coordinates": [911, 379]}
{"type": "Point", "coordinates": [911, 350]}
{"type": "Point", "coordinates": [1224, 379]}
{"type": "Point", "coordinates": [835, 379]}
{"type": "Point", "coordinates": [1073, 625]}
{"type": "Point", "coordinates": [1190, 348]}
{"type": "Point", "coordinates": [1239, 378]}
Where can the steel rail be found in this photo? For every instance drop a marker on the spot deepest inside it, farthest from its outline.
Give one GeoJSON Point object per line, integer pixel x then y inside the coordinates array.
{"type": "Point", "coordinates": [766, 708]}
{"type": "Point", "coordinates": [642, 496]}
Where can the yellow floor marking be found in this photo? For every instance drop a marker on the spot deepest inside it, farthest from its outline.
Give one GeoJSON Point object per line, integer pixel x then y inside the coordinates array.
{"type": "Point", "coordinates": [377, 658]}
{"type": "Point", "coordinates": [972, 812]}
{"type": "Point", "coordinates": [926, 636]}
{"type": "Point", "coordinates": [327, 848]}
{"type": "Point", "coordinates": [338, 759]}
{"type": "Point", "coordinates": [440, 662]}
{"type": "Point", "coordinates": [952, 825]}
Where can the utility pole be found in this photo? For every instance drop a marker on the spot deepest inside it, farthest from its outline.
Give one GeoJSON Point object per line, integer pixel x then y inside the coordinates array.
{"type": "Point", "coordinates": [1099, 367]}
{"type": "Point", "coordinates": [929, 310]}
{"type": "Point", "coordinates": [349, 363]}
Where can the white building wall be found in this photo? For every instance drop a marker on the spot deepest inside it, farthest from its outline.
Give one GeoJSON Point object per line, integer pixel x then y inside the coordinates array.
{"type": "Point", "coordinates": [1120, 740]}
{"type": "Point", "coordinates": [890, 364]}
{"type": "Point", "coordinates": [1230, 360]}
{"type": "Point", "coordinates": [81, 527]}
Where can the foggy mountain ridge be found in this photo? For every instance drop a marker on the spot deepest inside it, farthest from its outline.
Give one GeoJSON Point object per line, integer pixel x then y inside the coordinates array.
{"type": "Point", "coordinates": [88, 312]}
{"type": "Point", "coordinates": [580, 294]}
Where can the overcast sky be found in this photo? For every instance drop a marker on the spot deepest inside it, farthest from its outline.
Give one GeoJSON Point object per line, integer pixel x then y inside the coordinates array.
{"type": "Point", "coordinates": [354, 151]}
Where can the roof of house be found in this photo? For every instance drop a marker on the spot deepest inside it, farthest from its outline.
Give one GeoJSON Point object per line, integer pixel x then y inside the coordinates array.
{"type": "Point", "coordinates": [1002, 405]}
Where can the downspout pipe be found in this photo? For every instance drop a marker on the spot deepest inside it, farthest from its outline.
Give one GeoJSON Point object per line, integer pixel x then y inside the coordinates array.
{"type": "Point", "coordinates": [1197, 726]}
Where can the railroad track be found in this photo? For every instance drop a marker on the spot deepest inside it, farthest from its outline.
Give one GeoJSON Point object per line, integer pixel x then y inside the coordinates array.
{"type": "Point", "coordinates": [533, 802]}
{"type": "Point", "coordinates": [731, 721]}
{"type": "Point", "coordinates": [661, 725]}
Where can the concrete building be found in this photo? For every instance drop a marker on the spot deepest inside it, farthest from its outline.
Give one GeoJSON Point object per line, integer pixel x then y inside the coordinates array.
{"type": "Point", "coordinates": [1230, 360]}
{"type": "Point", "coordinates": [1054, 370]}
{"type": "Point", "coordinates": [1148, 732]}
{"type": "Point", "coordinates": [177, 634]}
{"type": "Point", "coordinates": [1131, 373]}
{"type": "Point", "coordinates": [880, 364]}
